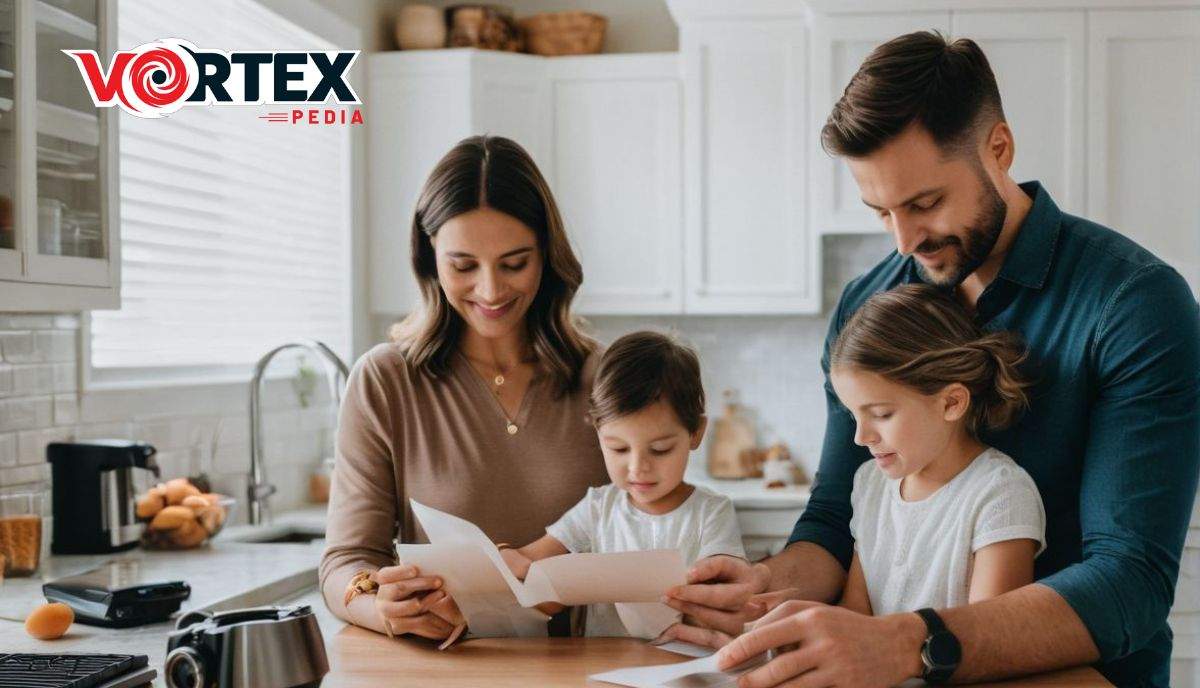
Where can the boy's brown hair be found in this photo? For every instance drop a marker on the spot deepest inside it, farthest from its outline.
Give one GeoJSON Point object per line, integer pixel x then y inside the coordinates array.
{"type": "Point", "coordinates": [642, 368]}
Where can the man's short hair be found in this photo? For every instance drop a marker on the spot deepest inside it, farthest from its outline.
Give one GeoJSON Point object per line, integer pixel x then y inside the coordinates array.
{"type": "Point", "coordinates": [947, 88]}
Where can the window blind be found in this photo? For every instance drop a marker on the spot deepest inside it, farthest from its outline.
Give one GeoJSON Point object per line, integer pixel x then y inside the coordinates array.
{"type": "Point", "coordinates": [235, 232]}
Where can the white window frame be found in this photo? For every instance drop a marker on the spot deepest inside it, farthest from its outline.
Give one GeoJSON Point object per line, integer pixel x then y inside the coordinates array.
{"type": "Point", "coordinates": [318, 20]}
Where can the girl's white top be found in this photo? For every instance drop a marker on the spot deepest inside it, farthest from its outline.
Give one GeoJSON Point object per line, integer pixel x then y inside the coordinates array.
{"type": "Point", "coordinates": [919, 554]}
{"type": "Point", "coordinates": [605, 521]}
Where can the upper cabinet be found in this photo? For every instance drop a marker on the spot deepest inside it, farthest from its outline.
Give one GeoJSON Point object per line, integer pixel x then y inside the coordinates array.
{"type": "Point", "coordinates": [59, 247]}
{"type": "Point", "coordinates": [616, 172]}
{"type": "Point", "coordinates": [745, 74]}
{"type": "Point", "coordinates": [604, 130]}
{"type": "Point", "coordinates": [1144, 132]}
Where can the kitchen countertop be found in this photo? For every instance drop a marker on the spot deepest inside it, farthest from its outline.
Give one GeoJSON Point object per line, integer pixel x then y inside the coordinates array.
{"type": "Point", "coordinates": [223, 574]}
{"type": "Point", "coordinates": [360, 659]}
{"type": "Point", "coordinates": [752, 493]}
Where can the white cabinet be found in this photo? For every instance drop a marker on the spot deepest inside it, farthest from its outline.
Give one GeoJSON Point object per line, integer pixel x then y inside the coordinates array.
{"type": "Point", "coordinates": [840, 44]}
{"type": "Point", "coordinates": [420, 104]}
{"type": "Point", "coordinates": [604, 130]}
{"type": "Point", "coordinates": [1039, 62]}
{"type": "Point", "coordinates": [615, 156]}
{"type": "Point", "coordinates": [1144, 132]}
{"type": "Point", "coordinates": [745, 71]}
{"type": "Point", "coordinates": [59, 243]}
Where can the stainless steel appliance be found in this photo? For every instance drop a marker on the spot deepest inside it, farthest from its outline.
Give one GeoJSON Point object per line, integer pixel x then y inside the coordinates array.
{"type": "Point", "coordinates": [261, 647]}
{"type": "Point", "coordinates": [95, 487]}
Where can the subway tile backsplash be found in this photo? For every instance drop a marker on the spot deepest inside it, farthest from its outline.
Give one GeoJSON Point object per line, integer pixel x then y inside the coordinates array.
{"type": "Point", "coordinates": [195, 429]}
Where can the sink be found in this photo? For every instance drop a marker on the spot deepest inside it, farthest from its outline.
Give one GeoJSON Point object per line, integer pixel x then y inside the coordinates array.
{"type": "Point", "coordinates": [277, 534]}
{"type": "Point", "coordinates": [290, 537]}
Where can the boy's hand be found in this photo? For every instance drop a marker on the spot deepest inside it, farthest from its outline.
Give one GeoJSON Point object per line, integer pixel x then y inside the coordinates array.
{"type": "Point", "coordinates": [518, 563]}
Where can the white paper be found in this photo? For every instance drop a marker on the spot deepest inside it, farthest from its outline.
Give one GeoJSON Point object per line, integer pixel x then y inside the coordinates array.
{"type": "Point", "coordinates": [686, 649]}
{"type": "Point", "coordinates": [698, 673]}
{"type": "Point", "coordinates": [496, 603]}
{"type": "Point", "coordinates": [647, 619]}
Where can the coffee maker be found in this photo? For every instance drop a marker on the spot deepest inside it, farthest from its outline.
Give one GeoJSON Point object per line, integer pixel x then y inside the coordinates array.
{"type": "Point", "coordinates": [95, 487]}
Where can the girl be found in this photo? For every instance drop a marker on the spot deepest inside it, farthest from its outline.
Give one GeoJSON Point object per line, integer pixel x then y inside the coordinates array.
{"type": "Point", "coordinates": [940, 519]}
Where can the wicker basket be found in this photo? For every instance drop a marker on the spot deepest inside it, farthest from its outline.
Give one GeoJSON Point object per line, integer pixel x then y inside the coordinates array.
{"type": "Point", "coordinates": [564, 33]}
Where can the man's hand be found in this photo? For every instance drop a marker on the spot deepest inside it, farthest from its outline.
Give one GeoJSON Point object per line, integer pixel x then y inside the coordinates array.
{"type": "Point", "coordinates": [718, 594]}
{"type": "Point", "coordinates": [828, 646]}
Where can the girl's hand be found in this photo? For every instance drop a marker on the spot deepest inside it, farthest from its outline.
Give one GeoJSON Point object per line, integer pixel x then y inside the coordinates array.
{"type": "Point", "coordinates": [518, 563]}
{"type": "Point", "coordinates": [411, 603]}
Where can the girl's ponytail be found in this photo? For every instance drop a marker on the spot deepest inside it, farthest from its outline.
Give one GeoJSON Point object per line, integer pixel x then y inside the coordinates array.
{"type": "Point", "coordinates": [1005, 397]}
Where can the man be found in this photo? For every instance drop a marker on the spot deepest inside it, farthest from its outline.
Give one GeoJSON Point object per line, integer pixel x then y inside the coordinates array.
{"type": "Point", "coordinates": [1112, 435]}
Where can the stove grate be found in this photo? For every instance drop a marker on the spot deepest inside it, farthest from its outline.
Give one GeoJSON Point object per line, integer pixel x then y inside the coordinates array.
{"type": "Point", "coordinates": [64, 670]}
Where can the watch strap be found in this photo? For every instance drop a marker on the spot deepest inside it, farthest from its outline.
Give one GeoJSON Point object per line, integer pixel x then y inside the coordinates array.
{"type": "Point", "coordinates": [934, 673]}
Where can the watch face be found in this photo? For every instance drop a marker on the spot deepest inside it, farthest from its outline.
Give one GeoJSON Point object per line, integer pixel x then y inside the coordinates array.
{"type": "Point", "coordinates": [943, 650]}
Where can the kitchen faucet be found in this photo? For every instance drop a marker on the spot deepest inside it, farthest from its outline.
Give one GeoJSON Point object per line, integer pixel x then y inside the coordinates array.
{"type": "Point", "coordinates": [259, 488]}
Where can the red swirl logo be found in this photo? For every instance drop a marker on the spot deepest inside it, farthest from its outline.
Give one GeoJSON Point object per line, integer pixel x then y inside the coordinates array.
{"type": "Point", "coordinates": [159, 77]}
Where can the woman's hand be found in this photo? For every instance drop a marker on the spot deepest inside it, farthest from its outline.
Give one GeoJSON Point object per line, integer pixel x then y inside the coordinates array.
{"type": "Point", "coordinates": [411, 603]}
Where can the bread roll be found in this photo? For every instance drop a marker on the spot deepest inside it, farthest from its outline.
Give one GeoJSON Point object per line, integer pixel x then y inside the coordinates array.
{"type": "Point", "coordinates": [172, 517]}
{"type": "Point", "coordinates": [148, 505]}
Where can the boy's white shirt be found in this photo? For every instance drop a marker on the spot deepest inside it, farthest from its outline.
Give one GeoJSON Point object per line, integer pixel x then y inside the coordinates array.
{"type": "Point", "coordinates": [919, 554]}
{"type": "Point", "coordinates": [605, 521]}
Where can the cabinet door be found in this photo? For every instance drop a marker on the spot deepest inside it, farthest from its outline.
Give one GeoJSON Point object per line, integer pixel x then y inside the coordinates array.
{"type": "Point", "coordinates": [69, 215]}
{"type": "Point", "coordinates": [747, 241]}
{"type": "Point", "coordinates": [840, 44]}
{"type": "Point", "coordinates": [616, 155]}
{"type": "Point", "coordinates": [1143, 131]}
{"type": "Point", "coordinates": [11, 241]}
{"type": "Point", "coordinates": [1038, 59]}
{"type": "Point", "coordinates": [416, 111]}
{"type": "Point", "coordinates": [509, 99]}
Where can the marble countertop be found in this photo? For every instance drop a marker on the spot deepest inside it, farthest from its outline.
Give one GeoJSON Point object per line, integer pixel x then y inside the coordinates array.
{"type": "Point", "coordinates": [752, 493]}
{"type": "Point", "coordinates": [223, 574]}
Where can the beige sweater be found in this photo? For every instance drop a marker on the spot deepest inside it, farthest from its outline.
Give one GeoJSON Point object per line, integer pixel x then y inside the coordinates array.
{"type": "Point", "coordinates": [443, 441]}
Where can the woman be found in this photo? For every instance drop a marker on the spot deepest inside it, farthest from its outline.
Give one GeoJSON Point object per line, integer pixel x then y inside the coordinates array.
{"type": "Point", "coordinates": [477, 407]}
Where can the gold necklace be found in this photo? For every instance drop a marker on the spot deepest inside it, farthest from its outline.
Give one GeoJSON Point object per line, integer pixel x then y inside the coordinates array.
{"type": "Point", "coordinates": [499, 380]}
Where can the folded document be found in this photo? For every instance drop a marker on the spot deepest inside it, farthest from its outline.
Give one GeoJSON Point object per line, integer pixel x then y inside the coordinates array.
{"type": "Point", "coordinates": [496, 603]}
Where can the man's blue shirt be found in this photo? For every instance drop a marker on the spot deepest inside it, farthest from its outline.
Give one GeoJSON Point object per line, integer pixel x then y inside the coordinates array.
{"type": "Point", "coordinates": [1112, 435]}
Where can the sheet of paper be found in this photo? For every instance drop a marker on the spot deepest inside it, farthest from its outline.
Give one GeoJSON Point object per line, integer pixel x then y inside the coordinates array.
{"type": "Point", "coordinates": [686, 649]}
{"type": "Point", "coordinates": [481, 593]}
{"type": "Point", "coordinates": [569, 579]}
{"type": "Point", "coordinates": [617, 577]}
{"type": "Point", "coordinates": [698, 673]}
{"type": "Point", "coordinates": [647, 619]}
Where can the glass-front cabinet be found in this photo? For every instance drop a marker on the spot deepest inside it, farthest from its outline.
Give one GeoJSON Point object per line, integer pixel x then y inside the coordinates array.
{"type": "Point", "coordinates": [58, 173]}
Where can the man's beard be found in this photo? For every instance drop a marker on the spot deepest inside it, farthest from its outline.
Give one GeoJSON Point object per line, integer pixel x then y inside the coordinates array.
{"type": "Point", "coordinates": [981, 238]}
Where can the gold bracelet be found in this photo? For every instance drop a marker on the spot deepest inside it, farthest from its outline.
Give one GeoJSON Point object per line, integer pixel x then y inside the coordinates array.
{"type": "Point", "coordinates": [360, 584]}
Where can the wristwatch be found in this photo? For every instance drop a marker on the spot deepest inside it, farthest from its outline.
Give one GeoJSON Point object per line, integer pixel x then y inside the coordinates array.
{"type": "Point", "coordinates": [941, 652]}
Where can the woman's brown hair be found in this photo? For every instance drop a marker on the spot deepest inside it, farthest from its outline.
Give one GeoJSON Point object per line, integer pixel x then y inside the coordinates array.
{"type": "Point", "coordinates": [494, 172]}
{"type": "Point", "coordinates": [919, 336]}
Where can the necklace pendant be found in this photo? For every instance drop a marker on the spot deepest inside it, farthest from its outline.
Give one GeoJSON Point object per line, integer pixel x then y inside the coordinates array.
{"type": "Point", "coordinates": [512, 428]}
{"type": "Point", "coordinates": [499, 380]}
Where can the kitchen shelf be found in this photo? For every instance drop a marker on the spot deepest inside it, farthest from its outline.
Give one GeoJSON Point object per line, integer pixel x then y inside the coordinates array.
{"type": "Point", "coordinates": [69, 124]}
{"type": "Point", "coordinates": [61, 20]}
